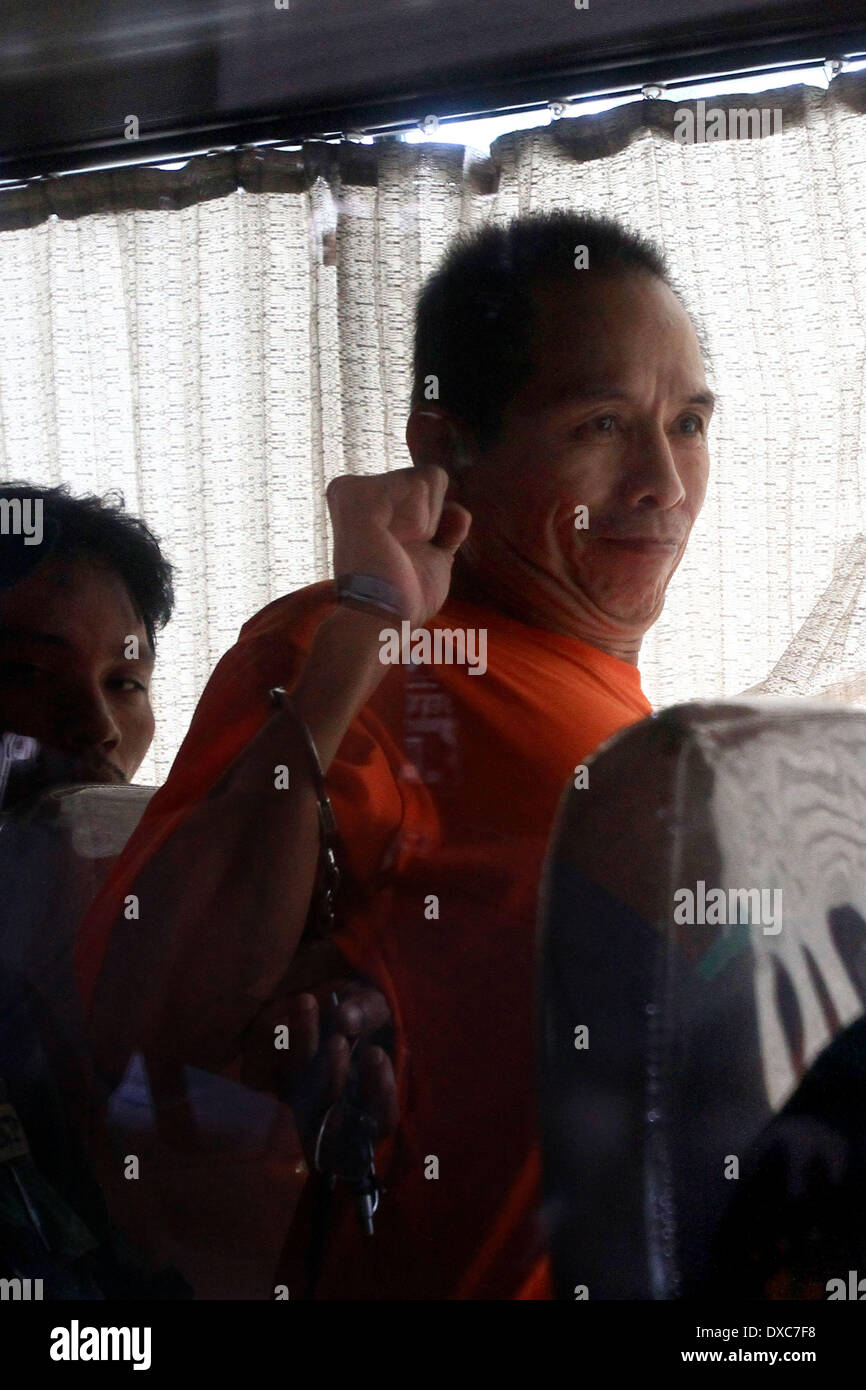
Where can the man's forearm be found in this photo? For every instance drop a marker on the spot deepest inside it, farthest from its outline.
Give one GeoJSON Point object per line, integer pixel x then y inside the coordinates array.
{"type": "Point", "coordinates": [341, 673]}
{"type": "Point", "coordinates": [223, 902]}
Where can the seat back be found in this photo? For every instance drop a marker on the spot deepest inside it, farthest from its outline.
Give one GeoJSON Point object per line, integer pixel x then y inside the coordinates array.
{"type": "Point", "coordinates": [703, 940]}
{"type": "Point", "coordinates": [54, 857]}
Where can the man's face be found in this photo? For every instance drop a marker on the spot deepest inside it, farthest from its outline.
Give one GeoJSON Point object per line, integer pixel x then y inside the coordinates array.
{"type": "Point", "coordinates": [64, 677]}
{"type": "Point", "coordinates": [613, 418]}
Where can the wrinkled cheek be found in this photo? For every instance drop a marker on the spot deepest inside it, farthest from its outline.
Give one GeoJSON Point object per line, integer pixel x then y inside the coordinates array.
{"type": "Point", "coordinates": [616, 587]}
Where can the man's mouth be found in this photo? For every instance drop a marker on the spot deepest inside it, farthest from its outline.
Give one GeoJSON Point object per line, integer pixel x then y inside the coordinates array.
{"type": "Point", "coordinates": [641, 545]}
{"type": "Point", "coordinates": [60, 769]}
{"type": "Point", "coordinates": [101, 773]}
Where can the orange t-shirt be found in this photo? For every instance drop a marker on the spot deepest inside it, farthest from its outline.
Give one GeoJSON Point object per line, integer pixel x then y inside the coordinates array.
{"type": "Point", "coordinates": [444, 790]}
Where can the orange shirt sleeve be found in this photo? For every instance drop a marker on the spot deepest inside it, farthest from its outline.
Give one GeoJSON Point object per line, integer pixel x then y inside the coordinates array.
{"type": "Point", "coordinates": [362, 783]}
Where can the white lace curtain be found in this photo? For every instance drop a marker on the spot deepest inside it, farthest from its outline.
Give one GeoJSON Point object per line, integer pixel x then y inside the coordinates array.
{"type": "Point", "coordinates": [219, 341]}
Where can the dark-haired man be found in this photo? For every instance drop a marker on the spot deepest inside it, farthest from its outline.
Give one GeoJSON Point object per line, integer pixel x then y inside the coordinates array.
{"type": "Point", "coordinates": [83, 589]}
{"type": "Point", "coordinates": [77, 632]}
{"type": "Point", "coordinates": [563, 410]}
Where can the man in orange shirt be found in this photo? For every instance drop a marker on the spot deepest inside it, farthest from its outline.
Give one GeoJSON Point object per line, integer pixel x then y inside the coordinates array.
{"type": "Point", "coordinates": [561, 413]}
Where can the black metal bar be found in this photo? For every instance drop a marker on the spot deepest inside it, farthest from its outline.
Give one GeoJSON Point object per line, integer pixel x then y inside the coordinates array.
{"type": "Point", "coordinates": [448, 99]}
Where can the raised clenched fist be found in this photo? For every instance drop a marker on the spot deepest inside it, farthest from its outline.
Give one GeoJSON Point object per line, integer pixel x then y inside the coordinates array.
{"type": "Point", "coordinates": [399, 527]}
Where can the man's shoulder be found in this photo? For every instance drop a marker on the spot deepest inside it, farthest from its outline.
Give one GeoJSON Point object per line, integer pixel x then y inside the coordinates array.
{"type": "Point", "coordinates": [294, 617]}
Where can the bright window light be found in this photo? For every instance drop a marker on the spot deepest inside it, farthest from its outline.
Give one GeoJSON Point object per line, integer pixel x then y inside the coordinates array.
{"type": "Point", "coordinates": [481, 132]}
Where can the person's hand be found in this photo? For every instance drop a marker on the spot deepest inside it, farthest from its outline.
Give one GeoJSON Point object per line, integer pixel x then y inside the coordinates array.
{"type": "Point", "coordinates": [311, 1074]}
{"type": "Point", "coordinates": [398, 527]}
{"type": "Point", "coordinates": [328, 1024]}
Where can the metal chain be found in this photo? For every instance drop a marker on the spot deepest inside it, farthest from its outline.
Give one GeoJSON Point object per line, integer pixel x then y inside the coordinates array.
{"type": "Point", "coordinates": [321, 918]}
{"type": "Point", "coordinates": [359, 1140]}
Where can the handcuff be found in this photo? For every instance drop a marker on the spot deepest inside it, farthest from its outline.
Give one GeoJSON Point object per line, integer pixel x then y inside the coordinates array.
{"type": "Point", "coordinates": [353, 1160]}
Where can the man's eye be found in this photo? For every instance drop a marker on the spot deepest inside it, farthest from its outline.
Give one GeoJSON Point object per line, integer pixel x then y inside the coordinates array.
{"type": "Point", "coordinates": [695, 421]}
{"type": "Point", "coordinates": [126, 685]}
{"type": "Point", "coordinates": [600, 424]}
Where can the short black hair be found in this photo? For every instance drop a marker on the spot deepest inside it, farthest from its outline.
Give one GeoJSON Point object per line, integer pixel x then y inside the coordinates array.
{"type": "Point", "coordinates": [474, 314]}
{"type": "Point", "coordinates": [100, 528]}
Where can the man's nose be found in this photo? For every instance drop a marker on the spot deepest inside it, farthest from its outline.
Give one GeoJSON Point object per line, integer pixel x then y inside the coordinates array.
{"type": "Point", "coordinates": [90, 722]}
{"type": "Point", "coordinates": [654, 479]}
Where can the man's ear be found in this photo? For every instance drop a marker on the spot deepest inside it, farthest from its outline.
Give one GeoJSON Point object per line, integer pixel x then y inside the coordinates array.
{"type": "Point", "coordinates": [433, 436]}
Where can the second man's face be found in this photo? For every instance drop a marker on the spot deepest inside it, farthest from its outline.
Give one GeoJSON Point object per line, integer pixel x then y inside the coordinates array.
{"type": "Point", "coordinates": [69, 676]}
{"type": "Point", "coordinates": [613, 418]}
